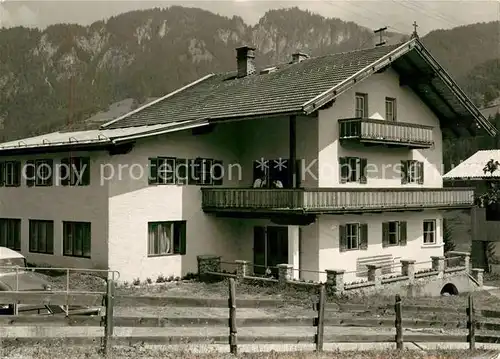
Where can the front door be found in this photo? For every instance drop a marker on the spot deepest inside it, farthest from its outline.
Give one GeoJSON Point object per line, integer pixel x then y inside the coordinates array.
{"type": "Point", "coordinates": [270, 248]}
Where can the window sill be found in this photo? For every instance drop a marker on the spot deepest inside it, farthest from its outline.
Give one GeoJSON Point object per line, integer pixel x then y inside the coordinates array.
{"type": "Point", "coordinates": [74, 256]}
{"type": "Point", "coordinates": [164, 255]}
{"type": "Point", "coordinates": [46, 253]}
{"type": "Point", "coordinates": [432, 245]}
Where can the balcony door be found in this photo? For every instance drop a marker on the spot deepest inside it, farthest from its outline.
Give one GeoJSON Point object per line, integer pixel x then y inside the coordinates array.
{"type": "Point", "coordinates": [275, 170]}
{"type": "Point", "coordinates": [270, 248]}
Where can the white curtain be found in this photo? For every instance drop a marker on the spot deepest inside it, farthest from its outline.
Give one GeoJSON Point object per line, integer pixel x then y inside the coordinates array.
{"type": "Point", "coordinates": [160, 239]}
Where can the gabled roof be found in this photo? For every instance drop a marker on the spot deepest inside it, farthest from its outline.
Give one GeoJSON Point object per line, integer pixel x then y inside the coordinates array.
{"type": "Point", "coordinates": [304, 87]}
{"type": "Point", "coordinates": [472, 167]}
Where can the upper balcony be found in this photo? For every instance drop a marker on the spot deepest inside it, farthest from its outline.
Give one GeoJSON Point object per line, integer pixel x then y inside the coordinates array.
{"type": "Point", "coordinates": [333, 200]}
{"type": "Point", "coordinates": [389, 133]}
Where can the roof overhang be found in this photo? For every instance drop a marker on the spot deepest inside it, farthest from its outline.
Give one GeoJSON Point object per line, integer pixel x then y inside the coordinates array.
{"type": "Point", "coordinates": [429, 80]}
{"type": "Point", "coordinates": [112, 141]}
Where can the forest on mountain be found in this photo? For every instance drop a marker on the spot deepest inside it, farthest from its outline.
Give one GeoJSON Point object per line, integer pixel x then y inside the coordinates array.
{"type": "Point", "coordinates": [59, 76]}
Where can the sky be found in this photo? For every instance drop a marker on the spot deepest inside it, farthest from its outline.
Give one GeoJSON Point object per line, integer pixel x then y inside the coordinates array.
{"type": "Point", "coordinates": [397, 15]}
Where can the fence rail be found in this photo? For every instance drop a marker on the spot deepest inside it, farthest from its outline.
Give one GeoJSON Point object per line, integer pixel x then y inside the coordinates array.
{"type": "Point", "coordinates": [479, 324]}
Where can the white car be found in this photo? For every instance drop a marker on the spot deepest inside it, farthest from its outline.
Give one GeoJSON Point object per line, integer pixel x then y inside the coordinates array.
{"type": "Point", "coordinates": [24, 279]}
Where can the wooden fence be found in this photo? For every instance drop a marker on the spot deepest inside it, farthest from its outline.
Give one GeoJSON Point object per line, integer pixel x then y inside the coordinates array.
{"type": "Point", "coordinates": [395, 316]}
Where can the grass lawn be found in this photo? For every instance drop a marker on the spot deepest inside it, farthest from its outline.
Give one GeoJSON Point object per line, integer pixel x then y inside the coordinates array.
{"type": "Point", "coordinates": [77, 353]}
{"type": "Point", "coordinates": [304, 296]}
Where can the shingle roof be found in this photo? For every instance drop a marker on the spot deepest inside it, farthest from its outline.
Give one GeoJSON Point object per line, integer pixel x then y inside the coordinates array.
{"type": "Point", "coordinates": [283, 91]}
{"type": "Point", "coordinates": [473, 166]}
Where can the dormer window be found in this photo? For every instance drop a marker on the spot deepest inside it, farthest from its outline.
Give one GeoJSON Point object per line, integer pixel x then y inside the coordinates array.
{"type": "Point", "coordinates": [361, 109]}
{"type": "Point", "coordinates": [390, 109]}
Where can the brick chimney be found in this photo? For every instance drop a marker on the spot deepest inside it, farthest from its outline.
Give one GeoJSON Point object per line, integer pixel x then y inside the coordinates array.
{"type": "Point", "coordinates": [298, 57]}
{"type": "Point", "coordinates": [245, 56]}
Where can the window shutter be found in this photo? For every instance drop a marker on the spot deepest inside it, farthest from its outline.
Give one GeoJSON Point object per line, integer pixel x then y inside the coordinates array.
{"type": "Point", "coordinates": [49, 163]}
{"type": "Point", "coordinates": [2, 173]}
{"type": "Point", "coordinates": [192, 173]}
{"type": "Point", "coordinates": [17, 173]}
{"type": "Point", "coordinates": [64, 172]}
{"type": "Point", "coordinates": [198, 167]}
{"type": "Point", "coordinates": [181, 171]}
{"type": "Point", "coordinates": [344, 170]}
{"type": "Point", "coordinates": [182, 237]}
{"type": "Point", "coordinates": [49, 240]}
{"type": "Point", "coordinates": [402, 233]}
{"type": "Point", "coordinates": [342, 238]}
{"type": "Point", "coordinates": [217, 173]}
{"type": "Point", "coordinates": [85, 162]}
{"type": "Point", "coordinates": [385, 234]}
{"type": "Point", "coordinates": [404, 172]}
{"type": "Point", "coordinates": [30, 173]}
{"type": "Point", "coordinates": [153, 171]}
{"type": "Point", "coordinates": [420, 173]}
{"type": "Point", "coordinates": [362, 170]}
{"type": "Point", "coordinates": [363, 239]}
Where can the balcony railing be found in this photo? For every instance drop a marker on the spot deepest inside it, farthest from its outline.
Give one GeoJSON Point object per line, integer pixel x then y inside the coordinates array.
{"type": "Point", "coordinates": [332, 200]}
{"type": "Point", "coordinates": [386, 132]}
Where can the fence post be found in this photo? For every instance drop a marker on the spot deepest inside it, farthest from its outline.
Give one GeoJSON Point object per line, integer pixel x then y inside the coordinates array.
{"type": "Point", "coordinates": [233, 346]}
{"type": "Point", "coordinates": [399, 323]}
{"type": "Point", "coordinates": [321, 319]}
{"type": "Point", "coordinates": [108, 324]}
{"type": "Point", "coordinates": [471, 324]}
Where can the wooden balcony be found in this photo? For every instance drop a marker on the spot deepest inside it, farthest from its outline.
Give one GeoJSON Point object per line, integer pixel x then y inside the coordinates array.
{"type": "Point", "coordinates": [397, 134]}
{"type": "Point", "coordinates": [333, 200]}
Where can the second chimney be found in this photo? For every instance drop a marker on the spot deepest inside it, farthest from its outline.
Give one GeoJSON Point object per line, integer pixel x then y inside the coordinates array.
{"type": "Point", "coordinates": [245, 56]}
{"type": "Point", "coordinates": [298, 57]}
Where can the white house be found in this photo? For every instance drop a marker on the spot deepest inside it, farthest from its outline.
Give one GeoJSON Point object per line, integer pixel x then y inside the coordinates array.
{"type": "Point", "coordinates": [485, 219]}
{"type": "Point", "coordinates": [353, 138]}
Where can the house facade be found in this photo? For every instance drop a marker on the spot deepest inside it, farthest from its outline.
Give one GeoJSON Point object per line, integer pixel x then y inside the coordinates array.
{"type": "Point", "coordinates": [323, 163]}
{"type": "Point", "coordinates": [483, 220]}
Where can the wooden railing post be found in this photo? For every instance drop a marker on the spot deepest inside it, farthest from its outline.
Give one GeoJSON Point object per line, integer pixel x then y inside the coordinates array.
{"type": "Point", "coordinates": [398, 323]}
{"type": "Point", "coordinates": [321, 319]}
{"type": "Point", "coordinates": [233, 346]}
{"type": "Point", "coordinates": [108, 324]}
{"type": "Point", "coordinates": [471, 323]}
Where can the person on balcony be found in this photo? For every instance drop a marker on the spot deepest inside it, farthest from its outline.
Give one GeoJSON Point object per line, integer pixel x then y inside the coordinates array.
{"type": "Point", "coordinates": [260, 182]}
{"type": "Point", "coordinates": [277, 184]}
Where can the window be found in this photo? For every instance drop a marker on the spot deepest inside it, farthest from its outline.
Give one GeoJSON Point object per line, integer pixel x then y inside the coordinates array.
{"type": "Point", "coordinates": [390, 109]}
{"type": "Point", "coordinates": [41, 236]}
{"type": "Point", "coordinates": [39, 172]}
{"type": "Point", "coordinates": [75, 171]}
{"type": "Point", "coordinates": [361, 109]}
{"type": "Point", "coordinates": [182, 171]}
{"type": "Point", "coordinates": [353, 169]}
{"type": "Point", "coordinates": [412, 172]}
{"type": "Point", "coordinates": [166, 171]}
{"type": "Point", "coordinates": [10, 233]}
{"type": "Point", "coordinates": [10, 173]}
{"type": "Point", "coordinates": [430, 231]}
{"type": "Point", "coordinates": [204, 171]}
{"type": "Point", "coordinates": [165, 238]}
{"type": "Point", "coordinates": [393, 233]}
{"type": "Point", "coordinates": [76, 239]}
{"type": "Point", "coordinates": [353, 236]}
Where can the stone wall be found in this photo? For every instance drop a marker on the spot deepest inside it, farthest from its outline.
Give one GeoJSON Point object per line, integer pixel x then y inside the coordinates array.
{"type": "Point", "coordinates": [430, 282]}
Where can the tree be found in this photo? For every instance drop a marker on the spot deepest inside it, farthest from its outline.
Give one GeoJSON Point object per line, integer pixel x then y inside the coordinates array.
{"type": "Point", "coordinates": [492, 195]}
